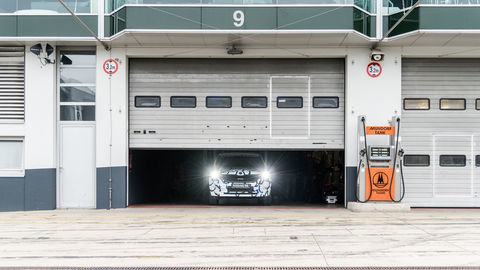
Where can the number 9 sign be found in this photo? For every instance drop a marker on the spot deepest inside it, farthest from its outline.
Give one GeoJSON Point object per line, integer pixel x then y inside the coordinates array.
{"type": "Point", "coordinates": [238, 18]}
{"type": "Point", "coordinates": [374, 70]}
{"type": "Point", "coordinates": [110, 66]}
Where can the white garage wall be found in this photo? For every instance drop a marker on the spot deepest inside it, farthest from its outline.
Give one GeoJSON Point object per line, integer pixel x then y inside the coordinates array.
{"type": "Point", "coordinates": [117, 120]}
{"type": "Point", "coordinates": [40, 113]}
{"type": "Point", "coordinates": [379, 99]}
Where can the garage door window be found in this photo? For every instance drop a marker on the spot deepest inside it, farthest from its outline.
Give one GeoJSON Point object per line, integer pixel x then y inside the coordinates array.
{"type": "Point", "coordinates": [477, 160]}
{"type": "Point", "coordinates": [416, 104]}
{"type": "Point", "coordinates": [453, 104]}
{"type": "Point", "coordinates": [416, 160]}
{"type": "Point", "coordinates": [453, 161]}
{"type": "Point", "coordinates": [11, 157]}
{"type": "Point", "coordinates": [218, 102]}
{"type": "Point", "coordinates": [477, 104]}
{"type": "Point", "coordinates": [289, 102]}
{"type": "Point", "coordinates": [325, 102]}
{"type": "Point", "coordinates": [147, 101]}
{"type": "Point", "coordinates": [254, 102]}
{"type": "Point", "coordinates": [183, 102]}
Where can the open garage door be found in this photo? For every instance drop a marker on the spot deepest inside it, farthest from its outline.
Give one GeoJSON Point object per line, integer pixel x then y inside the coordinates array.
{"type": "Point", "coordinates": [236, 104]}
{"type": "Point", "coordinates": [441, 132]}
{"type": "Point", "coordinates": [181, 177]}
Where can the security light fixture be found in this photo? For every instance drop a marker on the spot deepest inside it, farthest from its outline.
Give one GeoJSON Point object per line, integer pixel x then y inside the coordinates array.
{"type": "Point", "coordinates": [65, 60]}
{"type": "Point", "coordinates": [49, 49]}
{"type": "Point", "coordinates": [376, 55]}
{"type": "Point", "coordinates": [36, 49]}
{"type": "Point", "coordinates": [44, 58]}
{"type": "Point", "coordinates": [234, 50]}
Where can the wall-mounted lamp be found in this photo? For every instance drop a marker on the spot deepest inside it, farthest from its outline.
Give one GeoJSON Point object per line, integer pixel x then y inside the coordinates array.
{"type": "Point", "coordinates": [43, 57]}
{"type": "Point", "coordinates": [376, 55]}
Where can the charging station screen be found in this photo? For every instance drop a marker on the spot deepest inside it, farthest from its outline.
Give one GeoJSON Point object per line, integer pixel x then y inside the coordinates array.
{"type": "Point", "coordinates": [380, 153]}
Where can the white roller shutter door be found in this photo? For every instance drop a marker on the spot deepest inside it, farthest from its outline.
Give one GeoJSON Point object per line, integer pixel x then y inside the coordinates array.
{"type": "Point", "coordinates": [453, 134]}
{"type": "Point", "coordinates": [236, 127]}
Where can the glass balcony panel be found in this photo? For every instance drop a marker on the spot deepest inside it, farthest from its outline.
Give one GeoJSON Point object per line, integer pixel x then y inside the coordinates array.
{"type": "Point", "coordinates": [115, 4]}
{"type": "Point", "coordinates": [393, 6]}
{"type": "Point", "coordinates": [26, 7]}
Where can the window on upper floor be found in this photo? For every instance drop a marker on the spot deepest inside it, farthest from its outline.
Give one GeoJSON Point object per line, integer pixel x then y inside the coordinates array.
{"type": "Point", "coordinates": [47, 6]}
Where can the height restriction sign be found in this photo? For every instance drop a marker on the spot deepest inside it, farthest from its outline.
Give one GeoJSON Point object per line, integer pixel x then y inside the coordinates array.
{"type": "Point", "coordinates": [110, 66]}
{"type": "Point", "coordinates": [374, 69]}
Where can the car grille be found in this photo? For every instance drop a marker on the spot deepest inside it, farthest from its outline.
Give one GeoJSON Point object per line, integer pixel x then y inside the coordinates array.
{"type": "Point", "coordinates": [240, 178]}
{"type": "Point", "coordinates": [240, 189]}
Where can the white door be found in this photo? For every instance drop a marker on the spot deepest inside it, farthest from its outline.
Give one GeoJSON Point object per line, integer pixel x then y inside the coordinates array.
{"type": "Point", "coordinates": [453, 166]}
{"type": "Point", "coordinates": [290, 107]}
{"type": "Point", "coordinates": [77, 166]}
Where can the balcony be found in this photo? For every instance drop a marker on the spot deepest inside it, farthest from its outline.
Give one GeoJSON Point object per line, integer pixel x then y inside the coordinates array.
{"type": "Point", "coordinates": [433, 23]}
{"type": "Point", "coordinates": [46, 18]}
{"type": "Point", "coordinates": [248, 22]}
{"type": "Point", "coordinates": [47, 7]}
{"type": "Point", "coordinates": [368, 5]}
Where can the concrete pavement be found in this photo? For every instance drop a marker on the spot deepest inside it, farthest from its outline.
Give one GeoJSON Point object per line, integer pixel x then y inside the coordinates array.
{"type": "Point", "coordinates": [240, 236]}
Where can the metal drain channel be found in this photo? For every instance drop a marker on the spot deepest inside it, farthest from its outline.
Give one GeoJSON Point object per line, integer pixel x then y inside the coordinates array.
{"type": "Point", "coordinates": [241, 268]}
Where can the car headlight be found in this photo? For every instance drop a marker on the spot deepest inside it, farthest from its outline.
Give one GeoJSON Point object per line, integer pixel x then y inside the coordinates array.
{"type": "Point", "coordinates": [214, 174]}
{"type": "Point", "coordinates": [266, 175]}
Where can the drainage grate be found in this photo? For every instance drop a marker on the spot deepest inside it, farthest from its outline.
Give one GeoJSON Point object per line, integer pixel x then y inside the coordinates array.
{"type": "Point", "coordinates": [241, 268]}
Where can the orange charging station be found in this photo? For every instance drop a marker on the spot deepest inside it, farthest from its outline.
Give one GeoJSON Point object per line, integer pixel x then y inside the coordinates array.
{"type": "Point", "coordinates": [380, 154]}
{"type": "Point", "coordinates": [381, 169]}
{"type": "Point", "coordinates": [381, 184]}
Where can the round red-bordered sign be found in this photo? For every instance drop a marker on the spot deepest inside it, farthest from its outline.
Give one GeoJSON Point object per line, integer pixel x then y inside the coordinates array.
{"type": "Point", "coordinates": [374, 69]}
{"type": "Point", "coordinates": [110, 66]}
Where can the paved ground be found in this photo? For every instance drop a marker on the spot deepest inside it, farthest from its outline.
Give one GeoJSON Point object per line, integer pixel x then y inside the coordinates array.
{"type": "Point", "coordinates": [240, 236]}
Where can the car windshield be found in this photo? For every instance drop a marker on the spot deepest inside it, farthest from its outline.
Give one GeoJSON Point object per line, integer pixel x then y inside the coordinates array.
{"type": "Point", "coordinates": [230, 162]}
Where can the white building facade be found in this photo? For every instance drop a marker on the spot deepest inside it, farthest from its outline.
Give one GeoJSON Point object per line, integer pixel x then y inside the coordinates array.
{"type": "Point", "coordinates": [67, 125]}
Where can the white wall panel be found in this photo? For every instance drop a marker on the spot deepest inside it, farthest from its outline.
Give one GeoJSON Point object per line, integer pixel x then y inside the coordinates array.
{"type": "Point", "coordinates": [40, 113]}
{"type": "Point", "coordinates": [111, 126]}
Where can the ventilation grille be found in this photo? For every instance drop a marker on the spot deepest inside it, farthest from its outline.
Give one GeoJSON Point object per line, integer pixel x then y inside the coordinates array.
{"type": "Point", "coordinates": [12, 84]}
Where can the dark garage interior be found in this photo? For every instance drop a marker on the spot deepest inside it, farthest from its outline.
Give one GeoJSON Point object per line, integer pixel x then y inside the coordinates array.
{"type": "Point", "coordinates": [180, 176]}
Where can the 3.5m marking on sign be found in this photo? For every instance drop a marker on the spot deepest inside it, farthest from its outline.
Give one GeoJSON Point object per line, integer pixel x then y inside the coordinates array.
{"type": "Point", "coordinates": [374, 70]}
{"type": "Point", "coordinates": [110, 66]}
